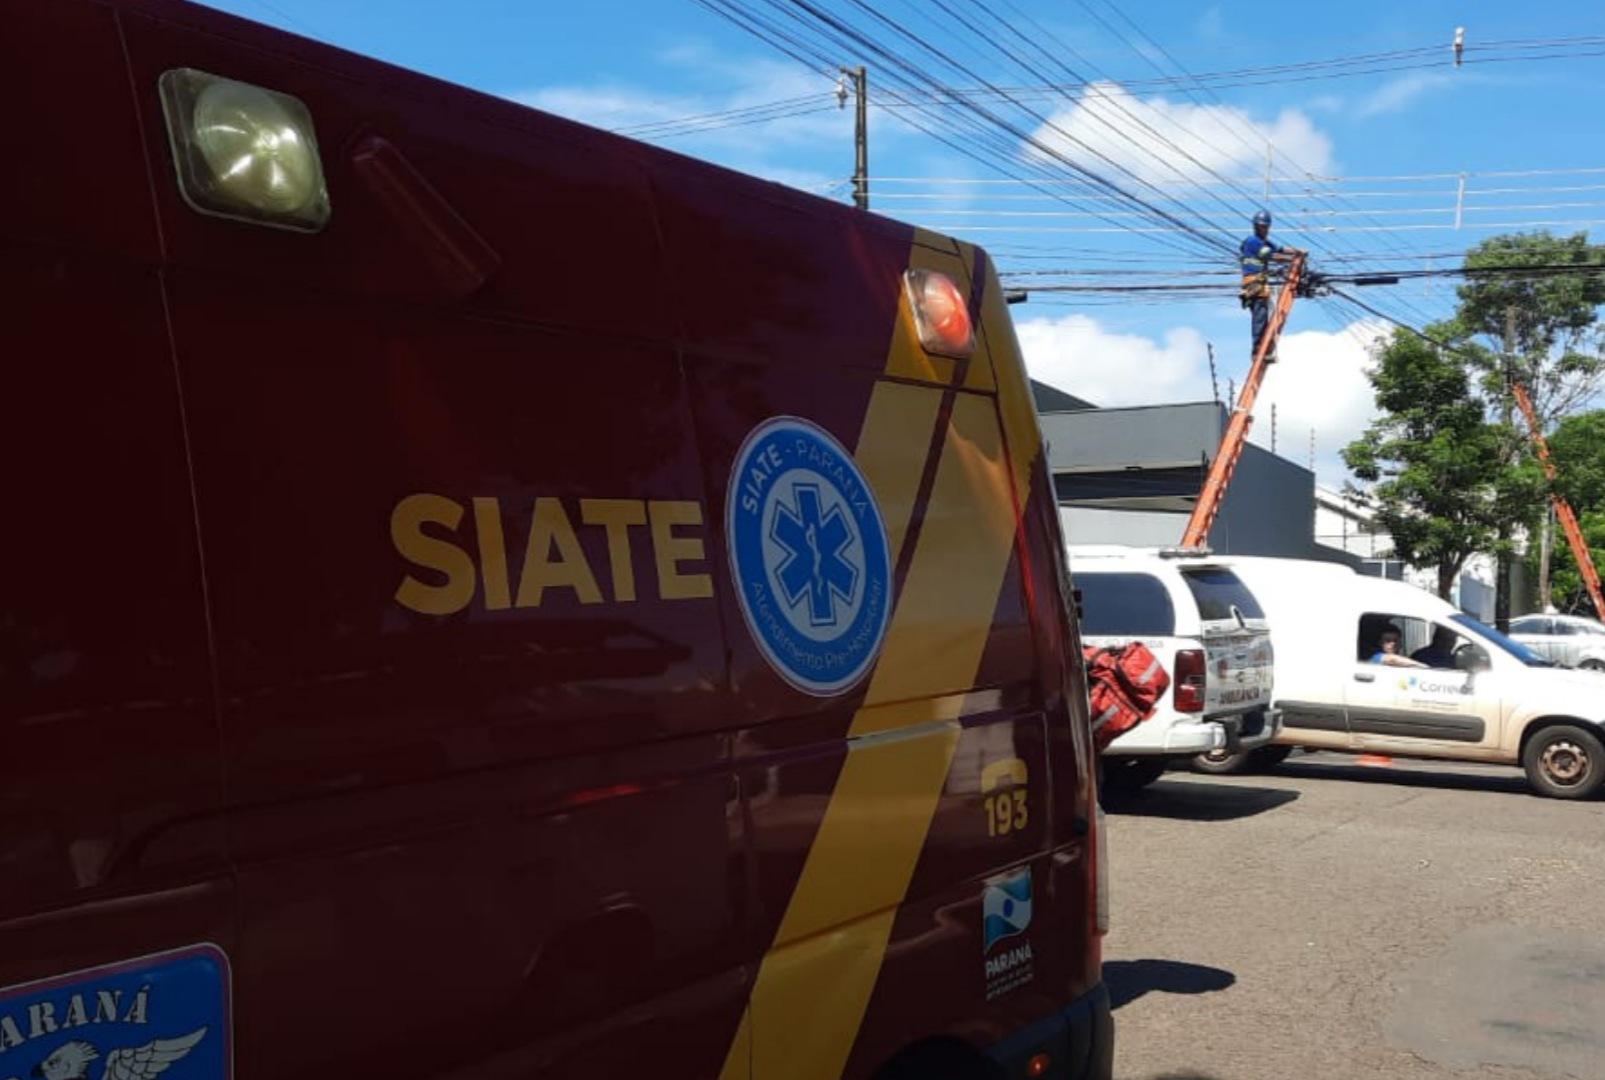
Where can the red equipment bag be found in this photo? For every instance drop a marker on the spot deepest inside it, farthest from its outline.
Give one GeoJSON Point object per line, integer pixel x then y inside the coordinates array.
{"type": "Point", "coordinates": [1124, 686]}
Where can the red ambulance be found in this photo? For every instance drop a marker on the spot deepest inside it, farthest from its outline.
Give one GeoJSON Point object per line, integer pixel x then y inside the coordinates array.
{"type": "Point", "coordinates": [488, 598]}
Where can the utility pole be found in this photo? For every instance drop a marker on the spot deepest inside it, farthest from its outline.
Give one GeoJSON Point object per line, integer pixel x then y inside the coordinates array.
{"type": "Point", "coordinates": [1273, 427]}
{"type": "Point", "coordinates": [1546, 545]}
{"type": "Point", "coordinates": [1507, 407]}
{"type": "Point", "coordinates": [860, 77]}
{"type": "Point", "coordinates": [1214, 384]}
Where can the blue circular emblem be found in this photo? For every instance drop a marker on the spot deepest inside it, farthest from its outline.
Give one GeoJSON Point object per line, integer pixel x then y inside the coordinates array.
{"type": "Point", "coordinates": [808, 555]}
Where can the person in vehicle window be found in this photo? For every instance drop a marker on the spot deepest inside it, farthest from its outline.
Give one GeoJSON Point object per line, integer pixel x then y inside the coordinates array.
{"type": "Point", "coordinates": [1388, 650]}
{"type": "Point", "coordinates": [1439, 654]}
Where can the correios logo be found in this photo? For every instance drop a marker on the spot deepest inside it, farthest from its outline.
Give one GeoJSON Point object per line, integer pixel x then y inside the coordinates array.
{"type": "Point", "coordinates": [808, 555]}
{"type": "Point", "coordinates": [1430, 685]}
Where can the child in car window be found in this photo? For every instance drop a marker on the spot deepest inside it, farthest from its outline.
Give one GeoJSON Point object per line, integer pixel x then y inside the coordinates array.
{"type": "Point", "coordinates": [1388, 650]}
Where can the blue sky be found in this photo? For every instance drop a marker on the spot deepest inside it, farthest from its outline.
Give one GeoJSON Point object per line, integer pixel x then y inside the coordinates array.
{"type": "Point", "coordinates": [621, 63]}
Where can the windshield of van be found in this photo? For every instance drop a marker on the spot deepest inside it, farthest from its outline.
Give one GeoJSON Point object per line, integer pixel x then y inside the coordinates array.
{"type": "Point", "coordinates": [1134, 605]}
{"type": "Point", "coordinates": [1514, 648]}
{"type": "Point", "coordinates": [1218, 591]}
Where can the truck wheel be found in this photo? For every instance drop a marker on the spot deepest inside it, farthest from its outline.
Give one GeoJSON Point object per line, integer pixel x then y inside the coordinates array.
{"type": "Point", "coordinates": [1223, 762]}
{"type": "Point", "coordinates": [1126, 776]}
{"type": "Point", "coordinates": [1267, 758]}
{"type": "Point", "coordinates": [1565, 762]}
{"type": "Point", "coordinates": [1592, 665]}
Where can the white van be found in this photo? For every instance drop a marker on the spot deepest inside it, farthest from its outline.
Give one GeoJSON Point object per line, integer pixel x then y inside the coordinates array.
{"type": "Point", "coordinates": [1462, 691]}
{"type": "Point", "coordinates": [1207, 629]}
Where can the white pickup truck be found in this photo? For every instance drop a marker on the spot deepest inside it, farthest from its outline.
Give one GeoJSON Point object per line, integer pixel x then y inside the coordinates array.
{"type": "Point", "coordinates": [1455, 689]}
{"type": "Point", "coordinates": [1207, 629]}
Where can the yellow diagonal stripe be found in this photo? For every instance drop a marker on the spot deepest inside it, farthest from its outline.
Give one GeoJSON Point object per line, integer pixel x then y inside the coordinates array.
{"type": "Point", "coordinates": [945, 611]}
{"type": "Point", "coordinates": [815, 982]}
{"type": "Point", "coordinates": [892, 449]}
{"type": "Point", "coordinates": [1021, 433]}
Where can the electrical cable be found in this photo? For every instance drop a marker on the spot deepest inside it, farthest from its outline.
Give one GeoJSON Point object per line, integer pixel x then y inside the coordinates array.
{"type": "Point", "coordinates": [767, 30]}
{"type": "Point", "coordinates": [816, 11]}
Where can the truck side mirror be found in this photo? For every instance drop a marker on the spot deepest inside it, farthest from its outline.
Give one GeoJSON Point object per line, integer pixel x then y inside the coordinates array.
{"type": "Point", "coordinates": [1472, 658]}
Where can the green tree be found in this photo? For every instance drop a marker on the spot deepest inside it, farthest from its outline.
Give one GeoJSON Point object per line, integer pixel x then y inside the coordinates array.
{"type": "Point", "coordinates": [1529, 310]}
{"type": "Point", "coordinates": [1578, 446]}
{"type": "Point", "coordinates": [1566, 583]}
{"type": "Point", "coordinates": [1439, 481]}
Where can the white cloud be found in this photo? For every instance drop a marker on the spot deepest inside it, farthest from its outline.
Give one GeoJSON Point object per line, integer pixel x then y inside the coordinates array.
{"type": "Point", "coordinates": [608, 107]}
{"type": "Point", "coordinates": [1079, 356]}
{"type": "Point", "coordinates": [1319, 382]}
{"type": "Point", "coordinates": [1161, 140]}
{"type": "Point", "coordinates": [1399, 93]}
{"type": "Point", "coordinates": [751, 147]}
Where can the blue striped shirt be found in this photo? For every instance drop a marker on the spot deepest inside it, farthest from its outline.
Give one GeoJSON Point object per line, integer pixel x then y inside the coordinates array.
{"type": "Point", "coordinates": [1256, 255]}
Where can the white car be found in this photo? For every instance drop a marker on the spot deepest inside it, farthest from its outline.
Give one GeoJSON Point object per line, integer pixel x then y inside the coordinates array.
{"type": "Point", "coordinates": [1569, 640]}
{"type": "Point", "coordinates": [1455, 689]}
{"type": "Point", "coordinates": [1207, 629]}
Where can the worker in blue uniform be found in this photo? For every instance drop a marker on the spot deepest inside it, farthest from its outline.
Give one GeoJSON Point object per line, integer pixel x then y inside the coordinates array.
{"type": "Point", "coordinates": [1256, 256]}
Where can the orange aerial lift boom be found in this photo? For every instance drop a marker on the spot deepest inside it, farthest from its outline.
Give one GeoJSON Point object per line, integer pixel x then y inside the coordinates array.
{"type": "Point", "coordinates": [1563, 509]}
{"type": "Point", "coordinates": [1231, 444]}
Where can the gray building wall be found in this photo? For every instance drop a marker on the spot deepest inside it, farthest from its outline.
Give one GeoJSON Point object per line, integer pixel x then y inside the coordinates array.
{"type": "Point", "coordinates": [1132, 475]}
{"type": "Point", "coordinates": [1087, 441]}
{"type": "Point", "coordinates": [1052, 399]}
{"type": "Point", "coordinates": [1269, 509]}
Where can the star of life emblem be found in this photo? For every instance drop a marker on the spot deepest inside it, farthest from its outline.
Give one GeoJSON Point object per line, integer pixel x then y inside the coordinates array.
{"type": "Point", "coordinates": [808, 555]}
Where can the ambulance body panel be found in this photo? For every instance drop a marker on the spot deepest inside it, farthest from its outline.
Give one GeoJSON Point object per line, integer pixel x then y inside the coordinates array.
{"type": "Point", "coordinates": [390, 684]}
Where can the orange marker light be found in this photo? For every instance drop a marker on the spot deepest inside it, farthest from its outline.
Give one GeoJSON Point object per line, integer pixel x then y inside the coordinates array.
{"type": "Point", "coordinates": [940, 313]}
{"type": "Point", "coordinates": [1038, 1065]}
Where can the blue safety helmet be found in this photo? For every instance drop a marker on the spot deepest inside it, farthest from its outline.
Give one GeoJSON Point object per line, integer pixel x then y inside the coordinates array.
{"type": "Point", "coordinates": [1262, 218]}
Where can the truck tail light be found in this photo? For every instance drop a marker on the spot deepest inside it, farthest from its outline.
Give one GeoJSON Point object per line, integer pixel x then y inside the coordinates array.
{"type": "Point", "coordinates": [244, 152]}
{"type": "Point", "coordinates": [941, 314]}
{"type": "Point", "coordinates": [1190, 680]}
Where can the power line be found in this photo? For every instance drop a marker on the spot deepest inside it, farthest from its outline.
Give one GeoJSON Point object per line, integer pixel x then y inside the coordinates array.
{"type": "Point", "coordinates": [811, 16]}
{"type": "Point", "coordinates": [1052, 57]}
{"type": "Point", "coordinates": [734, 112]}
{"type": "Point", "coordinates": [1226, 111]}
{"type": "Point", "coordinates": [1297, 178]}
{"type": "Point", "coordinates": [1046, 121]}
{"type": "Point", "coordinates": [767, 30]}
{"type": "Point", "coordinates": [817, 35]}
{"type": "Point", "coordinates": [1538, 223]}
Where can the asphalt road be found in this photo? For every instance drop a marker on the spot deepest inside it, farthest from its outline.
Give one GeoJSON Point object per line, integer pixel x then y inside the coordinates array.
{"type": "Point", "coordinates": [1337, 920]}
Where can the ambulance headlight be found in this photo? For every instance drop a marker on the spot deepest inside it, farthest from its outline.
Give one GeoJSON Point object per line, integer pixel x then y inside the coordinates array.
{"type": "Point", "coordinates": [244, 152]}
